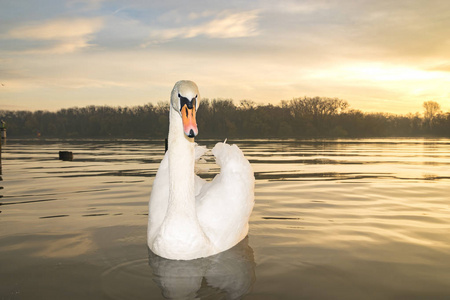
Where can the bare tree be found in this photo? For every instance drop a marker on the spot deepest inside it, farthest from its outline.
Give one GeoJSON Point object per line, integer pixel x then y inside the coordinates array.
{"type": "Point", "coordinates": [432, 108]}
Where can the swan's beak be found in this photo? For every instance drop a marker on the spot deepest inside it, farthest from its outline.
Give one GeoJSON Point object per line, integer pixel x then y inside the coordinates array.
{"type": "Point", "coordinates": [189, 122]}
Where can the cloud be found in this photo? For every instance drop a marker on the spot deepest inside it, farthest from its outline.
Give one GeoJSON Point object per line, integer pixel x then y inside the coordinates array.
{"type": "Point", "coordinates": [59, 35]}
{"type": "Point", "coordinates": [225, 25]}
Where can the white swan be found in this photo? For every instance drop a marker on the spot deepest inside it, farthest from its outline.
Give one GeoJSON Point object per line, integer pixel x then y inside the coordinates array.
{"type": "Point", "coordinates": [189, 217]}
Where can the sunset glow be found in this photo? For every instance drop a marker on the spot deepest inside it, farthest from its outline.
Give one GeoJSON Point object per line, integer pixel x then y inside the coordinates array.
{"type": "Point", "coordinates": [379, 56]}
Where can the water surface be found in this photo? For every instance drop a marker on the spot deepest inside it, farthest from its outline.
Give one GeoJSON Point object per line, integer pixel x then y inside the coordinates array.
{"type": "Point", "coordinates": [333, 219]}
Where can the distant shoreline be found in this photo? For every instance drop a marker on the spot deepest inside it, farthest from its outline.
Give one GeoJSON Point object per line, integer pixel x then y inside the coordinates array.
{"type": "Point", "coordinates": [301, 118]}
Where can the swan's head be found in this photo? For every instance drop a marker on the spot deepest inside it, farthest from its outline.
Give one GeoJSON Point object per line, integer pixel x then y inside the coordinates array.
{"type": "Point", "coordinates": [185, 99]}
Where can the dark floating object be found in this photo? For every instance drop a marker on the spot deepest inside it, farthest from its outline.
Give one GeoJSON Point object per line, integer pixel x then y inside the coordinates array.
{"type": "Point", "coordinates": [65, 155]}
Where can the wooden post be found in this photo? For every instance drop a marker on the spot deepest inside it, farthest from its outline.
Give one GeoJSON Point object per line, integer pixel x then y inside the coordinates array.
{"type": "Point", "coordinates": [65, 155]}
{"type": "Point", "coordinates": [2, 137]}
{"type": "Point", "coordinates": [0, 156]}
{"type": "Point", "coordinates": [3, 130]}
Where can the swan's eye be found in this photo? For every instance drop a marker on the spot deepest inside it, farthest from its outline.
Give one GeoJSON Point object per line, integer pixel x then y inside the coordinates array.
{"type": "Point", "coordinates": [185, 101]}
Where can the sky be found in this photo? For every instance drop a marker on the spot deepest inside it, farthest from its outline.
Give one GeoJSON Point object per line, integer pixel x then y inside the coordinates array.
{"type": "Point", "coordinates": [380, 56]}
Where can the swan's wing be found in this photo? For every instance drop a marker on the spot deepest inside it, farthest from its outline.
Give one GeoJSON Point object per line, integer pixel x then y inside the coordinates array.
{"type": "Point", "coordinates": [224, 205]}
{"type": "Point", "coordinates": [159, 198]}
{"type": "Point", "coordinates": [199, 151]}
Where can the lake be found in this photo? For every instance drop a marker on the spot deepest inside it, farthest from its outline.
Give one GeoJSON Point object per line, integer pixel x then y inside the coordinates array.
{"type": "Point", "coordinates": [333, 219]}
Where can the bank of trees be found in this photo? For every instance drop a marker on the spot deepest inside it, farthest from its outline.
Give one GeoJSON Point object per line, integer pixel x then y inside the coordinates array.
{"type": "Point", "coordinates": [297, 118]}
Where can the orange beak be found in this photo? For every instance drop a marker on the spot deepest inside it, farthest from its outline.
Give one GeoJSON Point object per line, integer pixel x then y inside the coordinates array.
{"type": "Point", "coordinates": [189, 122]}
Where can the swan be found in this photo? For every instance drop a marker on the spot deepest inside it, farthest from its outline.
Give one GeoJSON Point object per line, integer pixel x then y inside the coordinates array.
{"type": "Point", "coordinates": [190, 217]}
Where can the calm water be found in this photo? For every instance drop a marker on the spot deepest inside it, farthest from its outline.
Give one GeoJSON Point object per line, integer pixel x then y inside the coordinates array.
{"type": "Point", "coordinates": [345, 219]}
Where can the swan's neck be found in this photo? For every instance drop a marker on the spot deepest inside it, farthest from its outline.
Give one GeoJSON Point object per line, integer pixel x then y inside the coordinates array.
{"type": "Point", "coordinates": [181, 169]}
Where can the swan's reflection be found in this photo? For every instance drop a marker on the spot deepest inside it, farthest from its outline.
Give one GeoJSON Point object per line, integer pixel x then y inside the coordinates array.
{"type": "Point", "coordinates": [230, 274]}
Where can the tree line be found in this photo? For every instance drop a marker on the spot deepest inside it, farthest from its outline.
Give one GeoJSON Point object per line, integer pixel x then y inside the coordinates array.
{"type": "Point", "coordinates": [308, 117]}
